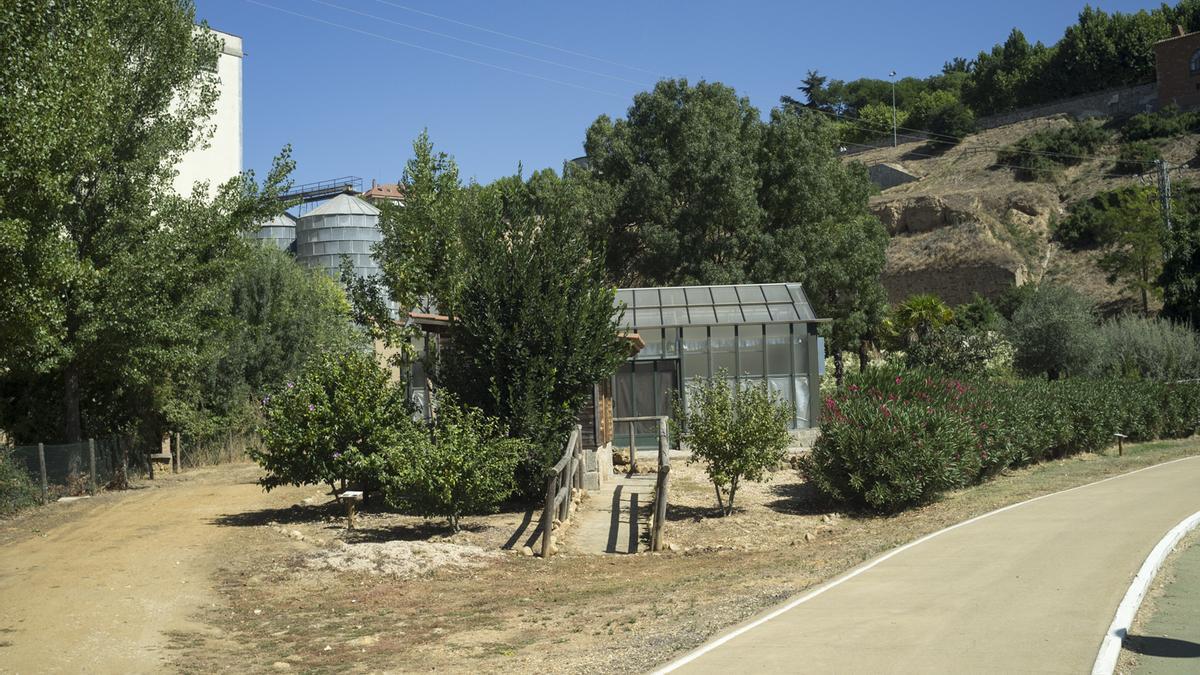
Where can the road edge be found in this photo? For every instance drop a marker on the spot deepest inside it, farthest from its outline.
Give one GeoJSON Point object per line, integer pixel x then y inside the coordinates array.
{"type": "Point", "coordinates": [1110, 646]}
{"type": "Point", "coordinates": [868, 565]}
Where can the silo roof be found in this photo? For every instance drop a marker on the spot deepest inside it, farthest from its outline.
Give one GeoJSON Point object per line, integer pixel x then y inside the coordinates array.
{"type": "Point", "coordinates": [343, 204]}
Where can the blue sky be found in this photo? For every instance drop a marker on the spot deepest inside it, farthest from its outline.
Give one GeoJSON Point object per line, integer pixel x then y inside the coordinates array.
{"type": "Point", "coordinates": [351, 101]}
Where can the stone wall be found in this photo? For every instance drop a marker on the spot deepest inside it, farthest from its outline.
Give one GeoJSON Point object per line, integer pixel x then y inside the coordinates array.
{"type": "Point", "coordinates": [1108, 103]}
{"type": "Point", "coordinates": [954, 285]}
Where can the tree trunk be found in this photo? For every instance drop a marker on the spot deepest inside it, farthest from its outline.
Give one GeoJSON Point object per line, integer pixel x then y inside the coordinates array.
{"type": "Point", "coordinates": [720, 502]}
{"type": "Point", "coordinates": [839, 367]}
{"type": "Point", "coordinates": [732, 492]}
{"type": "Point", "coordinates": [863, 356]}
{"type": "Point", "coordinates": [72, 426]}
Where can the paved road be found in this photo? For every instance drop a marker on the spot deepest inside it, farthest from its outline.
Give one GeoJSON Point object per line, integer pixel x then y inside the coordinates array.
{"type": "Point", "coordinates": [1030, 589]}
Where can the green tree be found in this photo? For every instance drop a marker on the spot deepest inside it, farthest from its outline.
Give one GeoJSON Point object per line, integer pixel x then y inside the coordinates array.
{"type": "Point", "coordinates": [737, 434]}
{"type": "Point", "coordinates": [116, 273]}
{"type": "Point", "coordinates": [682, 162]}
{"type": "Point", "coordinates": [332, 424]}
{"type": "Point", "coordinates": [421, 250]}
{"type": "Point", "coordinates": [918, 317]}
{"type": "Point", "coordinates": [277, 315]}
{"type": "Point", "coordinates": [534, 327]}
{"type": "Point", "coordinates": [819, 230]}
{"type": "Point", "coordinates": [464, 465]}
{"type": "Point", "coordinates": [1133, 250]}
{"type": "Point", "coordinates": [1053, 332]}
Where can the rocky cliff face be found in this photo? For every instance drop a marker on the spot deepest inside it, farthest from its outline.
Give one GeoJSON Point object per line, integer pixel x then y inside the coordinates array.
{"type": "Point", "coordinates": [967, 226]}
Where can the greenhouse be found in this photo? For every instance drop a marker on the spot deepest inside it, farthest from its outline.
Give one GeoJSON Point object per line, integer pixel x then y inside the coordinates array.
{"type": "Point", "coordinates": [750, 333]}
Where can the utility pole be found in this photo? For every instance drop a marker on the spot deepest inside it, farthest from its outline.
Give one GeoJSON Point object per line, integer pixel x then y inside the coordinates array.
{"type": "Point", "coordinates": [894, 134]}
{"type": "Point", "coordinates": [1164, 194]}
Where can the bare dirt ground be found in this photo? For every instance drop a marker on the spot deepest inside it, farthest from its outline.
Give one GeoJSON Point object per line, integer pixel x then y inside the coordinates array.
{"type": "Point", "coordinates": [95, 585]}
{"type": "Point", "coordinates": [209, 574]}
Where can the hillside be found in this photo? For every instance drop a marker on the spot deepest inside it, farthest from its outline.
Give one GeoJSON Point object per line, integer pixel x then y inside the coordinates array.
{"type": "Point", "coordinates": [967, 225]}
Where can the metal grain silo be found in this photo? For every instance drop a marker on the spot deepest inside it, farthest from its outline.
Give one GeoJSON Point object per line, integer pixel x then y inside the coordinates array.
{"type": "Point", "coordinates": [343, 226]}
{"type": "Point", "coordinates": [280, 231]}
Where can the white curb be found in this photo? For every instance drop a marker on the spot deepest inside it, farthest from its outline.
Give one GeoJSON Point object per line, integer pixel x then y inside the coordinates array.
{"type": "Point", "coordinates": [1110, 647]}
{"type": "Point", "coordinates": [709, 646]}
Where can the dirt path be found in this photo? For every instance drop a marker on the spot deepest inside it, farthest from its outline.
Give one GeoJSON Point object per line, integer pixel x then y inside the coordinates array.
{"type": "Point", "coordinates": [99, 586]}
{"type": "Point", "coordinates": [1030, 589]}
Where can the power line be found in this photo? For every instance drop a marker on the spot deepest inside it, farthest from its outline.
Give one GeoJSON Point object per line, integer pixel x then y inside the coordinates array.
{"type": "Point", "coordinates": [439, 52]}
{"type": "Point", "coordinates": [477, 44]}
{"type": "Point", "coordinates": [514, 37]}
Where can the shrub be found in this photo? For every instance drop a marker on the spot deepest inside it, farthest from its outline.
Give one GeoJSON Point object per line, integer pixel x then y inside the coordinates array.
{"type": "Point", "coordinates": [1165, 123]}
{"type": "Point", "coordinates": [1155, 349]}
{"type": "Point", "coordinates": [1053, 332]}
{"type": "Point", "coordinates": [1042, 154]}
{"type": "Point", "coordinates": [738, 434]}
{"type": "Point", "coordinates": [462, 464]}
{"type": "Point", "coordinates": [894, 439]}
{"type": "Point", "coordinates": [977, 315]}
{"type": "Point", "coordinates": [17, 490]}
{"type": "Point", "coordinates": [1136, 157]}
{"type": "Point", "coordinates": [942, 113]}
{"type": "Point", "coordinates": [955, 350]}
{"type": "Point", "coordinates": [325, 427]}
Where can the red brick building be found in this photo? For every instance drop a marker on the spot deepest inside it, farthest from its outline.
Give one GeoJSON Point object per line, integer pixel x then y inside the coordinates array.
{"type": "Point", "coordinates": [1177, 60]}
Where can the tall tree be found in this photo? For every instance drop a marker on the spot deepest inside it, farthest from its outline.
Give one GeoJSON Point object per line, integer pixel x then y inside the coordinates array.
{"type": "Point", "coordinates": [1133, 247]}
{"type": "Point", "coordinates": [819, 230]}
{"type": "Point", "coordinates": [101, 99]}
{"type": "Point", "coordinates": [421, 250]}
{"type": "Point", "coordinates": [535, 327]}
{"type": "Point", "coordinates": [682, 162]}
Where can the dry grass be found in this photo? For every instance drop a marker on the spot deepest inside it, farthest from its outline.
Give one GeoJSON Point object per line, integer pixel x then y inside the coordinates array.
{"type": "Point", "coordinates": [575, 612]}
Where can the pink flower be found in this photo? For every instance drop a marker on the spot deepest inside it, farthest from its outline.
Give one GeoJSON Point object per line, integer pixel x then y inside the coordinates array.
{"type": "Point", "coordinates": [897, 379]}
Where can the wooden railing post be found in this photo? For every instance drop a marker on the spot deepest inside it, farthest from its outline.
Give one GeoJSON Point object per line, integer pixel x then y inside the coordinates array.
{"type": "Point", "coordinates": [92, 465]}
{"type": "Point", "coordinates": [548, 514]}
{"type": "Point", "coordinates": [633, 463]}
{"type": "Point", "coordinates": [42, 469]}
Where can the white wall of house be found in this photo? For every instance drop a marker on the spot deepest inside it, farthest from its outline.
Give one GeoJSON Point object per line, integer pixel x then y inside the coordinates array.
{"type": "Point", "coordinates": [220, 157]}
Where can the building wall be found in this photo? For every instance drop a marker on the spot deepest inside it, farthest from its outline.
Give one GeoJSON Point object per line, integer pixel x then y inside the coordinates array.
{"type": "Point", "coordinates": [221, 158]}
{"type": "Point", "coordinates": [1176, 83]}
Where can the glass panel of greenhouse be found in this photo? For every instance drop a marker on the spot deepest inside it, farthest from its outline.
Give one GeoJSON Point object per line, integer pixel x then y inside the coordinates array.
{"type": "Point", "coordinates": [746, 334]}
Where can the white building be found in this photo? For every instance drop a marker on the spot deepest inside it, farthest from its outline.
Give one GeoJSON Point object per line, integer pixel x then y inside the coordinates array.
{"type": "Point", "coordinates": [220, 157]}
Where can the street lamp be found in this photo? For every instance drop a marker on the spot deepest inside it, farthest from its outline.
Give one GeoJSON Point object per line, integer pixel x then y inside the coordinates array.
{"type": "Point", "coordinates": [894, 134]}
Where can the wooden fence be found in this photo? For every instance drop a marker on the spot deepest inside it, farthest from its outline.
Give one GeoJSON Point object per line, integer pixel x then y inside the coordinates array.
{"type": "Point", "coordinates": [663, 476]}
{"type": "Point", "coordinates": [565, 476]}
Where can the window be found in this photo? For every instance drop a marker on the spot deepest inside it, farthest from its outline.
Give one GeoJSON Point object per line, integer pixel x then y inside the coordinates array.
{"type": "Point", "coordinates": [1194, 64]}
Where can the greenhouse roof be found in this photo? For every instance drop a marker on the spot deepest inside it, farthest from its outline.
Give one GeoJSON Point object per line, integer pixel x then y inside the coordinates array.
{"type": "Point", "coordinates": [714, 305]}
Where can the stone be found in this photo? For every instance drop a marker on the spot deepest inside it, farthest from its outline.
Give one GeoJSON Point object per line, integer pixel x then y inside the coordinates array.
{"type": "Point", "coordinates": [295, 534]}
{"type": "Point", "coordinates": [809, 536]}
{"type": "Point", "coordinates": [364, 641]}
{"type": "Point", "coordinates": [673, 547]}
{"type": "Point", "coordinates": [553, 549]}
{"type": "Point", "coordinates": [526, 551]}
{"type": "Point", "coordinates": [281, 665]}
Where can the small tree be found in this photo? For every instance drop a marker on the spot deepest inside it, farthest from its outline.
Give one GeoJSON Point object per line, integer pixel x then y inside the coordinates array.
{"type": "Point", "coordinates": [737, 434]}
{"type": "Point", "coordinates": [327, 426]}
{"type": "Point", "coordinates": [1053, 332]}
{"type": "Point", "coordinates": [464, 465]}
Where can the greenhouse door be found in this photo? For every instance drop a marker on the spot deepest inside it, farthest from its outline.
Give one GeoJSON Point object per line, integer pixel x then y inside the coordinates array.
{"type": "Point", "coordinates": [643, 389]}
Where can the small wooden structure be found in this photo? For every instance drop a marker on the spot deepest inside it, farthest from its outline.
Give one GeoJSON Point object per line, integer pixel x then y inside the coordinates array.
{"type": "Point", "coordinates": [351, 498]}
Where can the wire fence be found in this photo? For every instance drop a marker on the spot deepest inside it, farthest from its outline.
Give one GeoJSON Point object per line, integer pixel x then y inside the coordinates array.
{"type": "Point", "coordinates": [59, 470]}
{"type": "Point", "coordinates": [70, 469]}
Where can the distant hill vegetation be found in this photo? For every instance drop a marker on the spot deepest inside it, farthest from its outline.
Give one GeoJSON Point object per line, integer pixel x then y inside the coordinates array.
{"type": "Point", "coordinates": [1099, 51]}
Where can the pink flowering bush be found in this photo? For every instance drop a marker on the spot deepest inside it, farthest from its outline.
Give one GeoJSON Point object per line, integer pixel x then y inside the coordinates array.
{"type": "Point", "coordinates": [894, 439]}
